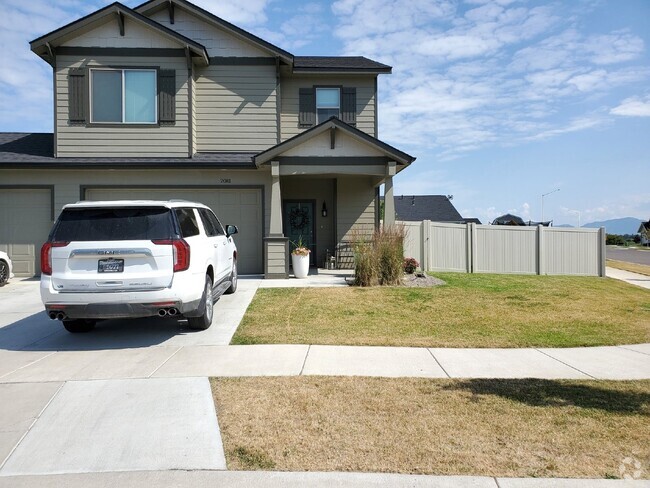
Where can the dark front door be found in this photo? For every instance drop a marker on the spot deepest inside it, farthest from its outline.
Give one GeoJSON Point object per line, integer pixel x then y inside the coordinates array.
{"type": "Point", "coordinates": [299, 225]}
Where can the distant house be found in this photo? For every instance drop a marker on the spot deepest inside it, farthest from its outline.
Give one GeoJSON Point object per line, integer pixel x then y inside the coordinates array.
{"type": "Point", "coordinates": [436, 208]}
{"type": "Point", "coordinates": [509, 219]}
{"type": "Point", "coordinates": [644, 232]}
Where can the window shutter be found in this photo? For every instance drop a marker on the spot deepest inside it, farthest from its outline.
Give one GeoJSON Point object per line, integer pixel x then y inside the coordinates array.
{"type": "Point", "coordinates": [307, 107]}
{"type": "Point", "coordinates": [167, 96]}
{"type": "Point", "coordinates": [349, 105]}
{"type": "Point", "coordinates": [77, 95]}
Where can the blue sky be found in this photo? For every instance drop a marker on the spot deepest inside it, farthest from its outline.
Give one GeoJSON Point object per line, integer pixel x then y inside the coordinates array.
{"type": "Point", "coordinates": [501, 101]}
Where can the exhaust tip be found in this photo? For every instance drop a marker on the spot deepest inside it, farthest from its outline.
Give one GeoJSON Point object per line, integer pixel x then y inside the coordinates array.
{"type": "Point", "coordinates": [60, 316]}
{"type": "Point", "coordinates": [162, 312]}
{"type": "Point", "coordinates": [52, 315]}
{"type": "Point", "coordinates": [173, 311]}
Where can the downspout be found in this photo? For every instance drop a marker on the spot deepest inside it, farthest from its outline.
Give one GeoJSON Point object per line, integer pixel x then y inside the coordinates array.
{"type": "Point", "coordinates": [278, 101]}
{"type": "Point", "coordinates": [190, 79]}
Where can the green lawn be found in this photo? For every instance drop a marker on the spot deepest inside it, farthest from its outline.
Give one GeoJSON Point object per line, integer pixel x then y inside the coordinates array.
{"type": "Point", "coordinates": [471, 310]}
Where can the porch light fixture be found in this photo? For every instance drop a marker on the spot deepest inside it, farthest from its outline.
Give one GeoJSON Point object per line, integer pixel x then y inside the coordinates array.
{"type": "Point", "coordinates": [324, 210]}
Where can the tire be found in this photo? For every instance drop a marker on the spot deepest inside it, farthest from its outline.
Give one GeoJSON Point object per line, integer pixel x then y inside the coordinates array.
{"type": "Point", "coordinates": [233, 279]}
{"type": "Point", "coordinates": [79, 326]}
{"type": "Point", "coordinates": [204, 321]}
{"type": "Point", "coordinates": [4, 273]}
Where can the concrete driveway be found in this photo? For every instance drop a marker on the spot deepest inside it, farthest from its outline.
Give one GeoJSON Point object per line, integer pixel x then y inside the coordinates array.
{"type": "Point", "coordinates": [76, 403]}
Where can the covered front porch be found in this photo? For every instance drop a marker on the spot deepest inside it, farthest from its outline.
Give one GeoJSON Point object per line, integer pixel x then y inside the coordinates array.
{"type": "Point", "coordinates": [324, 190]}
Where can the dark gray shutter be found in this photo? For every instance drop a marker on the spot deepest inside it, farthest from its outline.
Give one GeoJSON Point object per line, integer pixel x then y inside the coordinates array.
{"type": "Point", "coordinates": [307, 107]}
{"type": "Point", "coordinates": [167, 96]}
{"type": "Point", "coordinates": [77, 95]}
{"type": "Point", "coordinates": [349, 105]}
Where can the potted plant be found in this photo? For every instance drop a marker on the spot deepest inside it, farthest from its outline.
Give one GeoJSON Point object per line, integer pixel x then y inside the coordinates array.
{"type": "Point", "coordinates": [300, 259]}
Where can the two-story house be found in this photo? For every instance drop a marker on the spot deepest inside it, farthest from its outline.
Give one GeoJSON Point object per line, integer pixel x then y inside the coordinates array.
{"type": "Point", "coordinates": [167, 100]}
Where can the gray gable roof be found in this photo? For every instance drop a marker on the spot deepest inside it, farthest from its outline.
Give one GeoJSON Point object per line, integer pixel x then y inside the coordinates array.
{"type": "Point", "coordinates": [508, 219]}
{"type": "Point", "coordinates": [436, 208]}
{"type": "Point", "coordinates": [24, 150]}
{"type": "Point", "coordinates": [338, 63]}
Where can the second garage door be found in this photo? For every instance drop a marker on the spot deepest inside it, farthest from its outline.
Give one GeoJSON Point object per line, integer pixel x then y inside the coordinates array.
{"type": "Point", "coordinates": [25, 222]}
{"type": "Point", "coordinates": [237, 206]}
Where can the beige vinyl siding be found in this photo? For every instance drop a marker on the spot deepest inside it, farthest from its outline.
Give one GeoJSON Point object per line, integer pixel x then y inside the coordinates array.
{"type": "Point", "coordinates": [121, 140]}
{"type": "Point", "coordinates": [236, 108]}
{"type": "Point", "coordinates": [355, 206]}
{"type": "Point", "coordinates": [135, 35]}
{"type": "Point", "coordinates": [291, 84]}
{"type": "Point", "coordinates": [217, 41]}
{"type": "Point", "coordinates": [277, 256]}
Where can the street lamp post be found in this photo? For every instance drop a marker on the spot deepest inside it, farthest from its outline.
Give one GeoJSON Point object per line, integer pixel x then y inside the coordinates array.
{"type": "Point", "coordinates": [543, 195]}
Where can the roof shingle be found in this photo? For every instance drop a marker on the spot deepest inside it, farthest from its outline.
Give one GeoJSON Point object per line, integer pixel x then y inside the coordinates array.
{"type": "Point", "coordinates": [339, 63]}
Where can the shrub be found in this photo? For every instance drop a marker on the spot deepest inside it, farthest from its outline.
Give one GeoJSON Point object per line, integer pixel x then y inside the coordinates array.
{"type": "Point", "coordinates": [410, 265]}
{"type": "Point", "coordinates": [379, 257]}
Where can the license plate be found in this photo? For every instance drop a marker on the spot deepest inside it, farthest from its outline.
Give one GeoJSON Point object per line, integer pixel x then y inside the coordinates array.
{"type": "Point", "coordinates": [110, 265]}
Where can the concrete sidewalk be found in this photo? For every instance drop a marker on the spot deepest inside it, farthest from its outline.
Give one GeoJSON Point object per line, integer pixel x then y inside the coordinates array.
{"type": "Point", "coordinates": [248, 479]}
{"type": "Point", "coordinates": [612, 362]}
{"type": "Point", "coordinates": [629, 277]}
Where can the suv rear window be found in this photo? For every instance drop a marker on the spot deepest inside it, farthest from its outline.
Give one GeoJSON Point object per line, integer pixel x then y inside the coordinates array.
{"type": "Point", "coordinates": [114, 224]}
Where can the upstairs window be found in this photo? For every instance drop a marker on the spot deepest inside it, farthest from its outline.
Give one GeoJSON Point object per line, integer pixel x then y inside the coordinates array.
{"type": "Point", "coordinates": [328, 103]}
{"type": "Point", "coordinates": [123, 96]}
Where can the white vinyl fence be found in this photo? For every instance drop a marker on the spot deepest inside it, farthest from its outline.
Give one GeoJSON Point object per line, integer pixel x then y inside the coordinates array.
{"type": "Point", "coordinates": [473, 248]}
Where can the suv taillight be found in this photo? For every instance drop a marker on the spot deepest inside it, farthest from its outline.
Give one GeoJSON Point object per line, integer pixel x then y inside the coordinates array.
{"type": "Point", "coordinates": [181, 251]}
{"type": "Point", "coordinates": [46, 255]}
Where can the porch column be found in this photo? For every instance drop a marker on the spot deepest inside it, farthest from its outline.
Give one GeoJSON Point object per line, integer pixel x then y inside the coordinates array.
{"type": "Point", "coordinates": [276, 246]}
{"type": "Point", "coordinates": [275, 229]}
{"type": "Point", "coordinates": [389, 202]}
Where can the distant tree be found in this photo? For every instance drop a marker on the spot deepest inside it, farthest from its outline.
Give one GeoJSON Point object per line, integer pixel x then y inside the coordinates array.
{"type": "Point", "coordinates": [615, 240]}
{"type": "Point", "coordinates": [637, 239]}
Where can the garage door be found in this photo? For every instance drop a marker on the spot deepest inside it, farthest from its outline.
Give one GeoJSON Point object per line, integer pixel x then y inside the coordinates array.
{"type": "Point", "coordinates": [25, 222]}
{"type": "Point", "coordinates": [240, 207]}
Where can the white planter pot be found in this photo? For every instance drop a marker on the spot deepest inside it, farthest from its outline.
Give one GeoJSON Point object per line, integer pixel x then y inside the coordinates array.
{"type": "Point", "coordinates": [300, 265]}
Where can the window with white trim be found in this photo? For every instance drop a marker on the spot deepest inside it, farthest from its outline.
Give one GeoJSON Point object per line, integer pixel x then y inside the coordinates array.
{"type": "Point", "coordinates": [328, 104]}
{"type": "Point", "coordinates": [123, 96]}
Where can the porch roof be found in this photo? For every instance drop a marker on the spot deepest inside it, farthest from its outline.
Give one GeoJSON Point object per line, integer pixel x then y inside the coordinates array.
{"type": "Point", "coordinates": [377, 151]}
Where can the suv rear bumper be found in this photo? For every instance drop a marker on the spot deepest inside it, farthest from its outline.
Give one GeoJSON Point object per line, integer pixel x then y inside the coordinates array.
{"type": "Point", "coordinates": [126, 304]}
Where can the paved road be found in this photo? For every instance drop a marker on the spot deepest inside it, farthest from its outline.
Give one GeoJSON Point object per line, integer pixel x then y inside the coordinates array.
{"type": "Point", "coordinates": [629, 255]}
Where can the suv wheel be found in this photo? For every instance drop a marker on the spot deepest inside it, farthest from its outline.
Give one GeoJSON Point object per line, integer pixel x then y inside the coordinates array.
{"type": "Point", "coordinates": [79, 326]}
{"type": "Point", "coordinates": [233, 279]}
{"type": "Point", "coordinates": [4, 273]}
{"type": "Point", "coordinates": [207, 304]}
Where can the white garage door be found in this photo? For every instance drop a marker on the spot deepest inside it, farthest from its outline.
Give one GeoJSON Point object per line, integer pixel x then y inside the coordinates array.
{"type": "Point", "coordinates": [237, 206]}
{"type": "Point", "coordinates": [25, 222]}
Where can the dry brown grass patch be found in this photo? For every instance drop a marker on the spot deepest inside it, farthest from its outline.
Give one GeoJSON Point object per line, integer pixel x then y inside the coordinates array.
{"type": "Point", "coordinates": [632, 267]}
{"type": "Point", "coordinates": [447, 427]}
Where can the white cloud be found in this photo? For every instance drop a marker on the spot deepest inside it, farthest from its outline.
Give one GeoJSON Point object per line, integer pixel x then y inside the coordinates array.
{"type": "Point", "coordinates": [633, 107]}
{"type": "Point", "coordinates": [498, 73]}
{"type": "Point", "coordinates": [248, 13]}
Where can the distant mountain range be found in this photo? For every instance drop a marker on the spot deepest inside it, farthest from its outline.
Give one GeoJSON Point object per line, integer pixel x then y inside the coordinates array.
{"type": "Point", "coordinates": [626, 225]}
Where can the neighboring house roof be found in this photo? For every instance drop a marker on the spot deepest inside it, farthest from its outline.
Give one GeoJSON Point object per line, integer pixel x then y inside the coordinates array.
{"type": "Point", "coordinates": [334, 123]}
{"type": "Point", "coordinates": [471, 220]}
{"type": "Point", "coordinates": [153, 5]}
{"type": "Point", "coordinates": [508, 219]}
{"type": "Point", "coordinates": [43, 45]}
{"type": "Point", "coordinates": [644, 228]}
{"type": "Point", "coordinates": [338, 64]}
{"type": "Point", "coordinates": [437, 208]}
{"type": "Point", "coordinates": [23, 150]}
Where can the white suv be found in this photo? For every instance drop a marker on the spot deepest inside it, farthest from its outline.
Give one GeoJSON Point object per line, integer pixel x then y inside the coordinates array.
{"type": "Point", "coordinates": [124, 259]}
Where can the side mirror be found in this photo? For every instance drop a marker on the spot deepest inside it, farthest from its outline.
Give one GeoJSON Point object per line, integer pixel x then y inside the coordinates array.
{"type": "Point", "coordinates": [231, 229]}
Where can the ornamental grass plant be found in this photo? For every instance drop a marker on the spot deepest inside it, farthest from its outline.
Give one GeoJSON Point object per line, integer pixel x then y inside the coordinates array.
{"type": "Point", "coordinates": [379, 256]}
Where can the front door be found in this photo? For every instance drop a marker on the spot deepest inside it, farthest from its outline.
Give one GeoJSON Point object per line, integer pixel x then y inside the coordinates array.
{"type": "Point", "coordinates": [299, 225]}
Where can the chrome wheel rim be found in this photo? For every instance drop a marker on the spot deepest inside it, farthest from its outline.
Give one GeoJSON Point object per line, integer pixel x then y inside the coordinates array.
{"type": "Point", "coordinates": [234, 274]}
{"type": "Point", "coordinates": [208, 301]}
{"type": "Point", "coordinates": [4, 272]}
